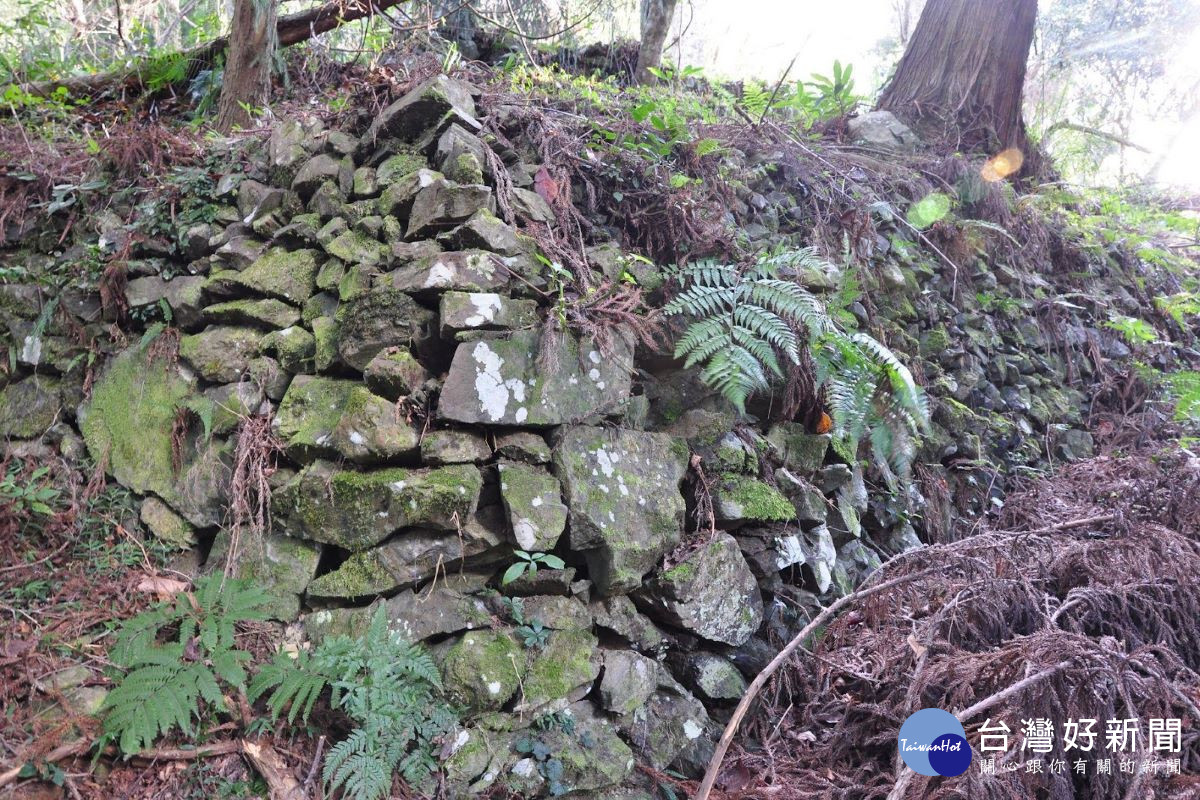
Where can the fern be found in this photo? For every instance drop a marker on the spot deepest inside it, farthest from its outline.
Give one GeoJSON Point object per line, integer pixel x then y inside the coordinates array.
{"type": "Point", "coordinates": [167, 685]}
{"type": "Point", "coordinates": [391, 688]}
{"type": "Point", "coordinates": [748, 322]}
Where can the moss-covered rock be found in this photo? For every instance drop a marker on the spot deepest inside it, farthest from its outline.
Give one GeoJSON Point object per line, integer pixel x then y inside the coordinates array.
{"type": "Point", "coordinates": [127, 423]}
{"type": "Point", "coordinates": [800, 450]}
{"type": "Point", "coordinates": [220, 353]}
{"type": "Point", "coordinates": [293, 347]}
{"type": "Point", "coordinates": [738, 499]}
{"type": "Point", "coordinates": [622, 490]}
{"type": "Point", "coordinates": [533, 501]}
{"type": "Point", "coordinates": [353, 247]}
{"type": "Point", "coordinates": [711, 593]}
{"type": "Point", "coordinates": [484, 670]}
{"type": "Point", "coordinates": [524, 446]}
{"type": "Point", "coordinates": [415, 112]}
{"type": "Point", "coordinates": [370, 323]}
{"type": "Point", "coordinates": [400, 190]}
{"type": "Point", "coordinates": [714, 677]}
{"type": "Point", "coordinates": [278, 565]}
{"type": "Point", "coordinates": [629, 680]}
{"type": "Point", "coordinates": [559, 671]}
{"type": "Point", "coordinates": [460, 270]}
{"type": "Point", "coordinates": [166, 525]}
{"type": "Point", "coordinates": [505, 382]}
{"type": "Point", "coordinates": [670, 721]}
{"type": "Point", "coordinates": [394, 373]}
{"type": "Point", "coordinates": [453, 447]}
{"type": "Point", "coordinates": [328, 418]}
{"type": "Point", "coordinates": [265, 313]}
{"type": "Point", "coordinates": [231, 403]}
{"type": "Point", "coordinates": [399, 165]}
{"type": "Point", "coordinates": [288, 275]}
{"type": "Point", "coordinates": [484, 231]}
{"type": "Point", "coordinates": [358, 510]}
{"type": "Point", "coordinates": [29, 407]}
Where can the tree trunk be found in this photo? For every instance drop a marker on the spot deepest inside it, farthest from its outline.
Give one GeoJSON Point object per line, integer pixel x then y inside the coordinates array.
{"type": "Point", "coordinates": [963, 72]}
{"type": "Point", "coordinates": [247, 81]}
{"type": "Point", "coordinates": [656, 21]}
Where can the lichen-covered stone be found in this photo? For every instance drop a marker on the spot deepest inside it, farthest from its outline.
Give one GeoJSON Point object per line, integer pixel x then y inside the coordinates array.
{"type": "Point", "coordinates": [453, 447]}
{"type": "Point", "coordinates": [465, 311]}
{"type": "Point", "coordinates": [711, 593]}
{"type": "Point", "coordinates": [807, 500]}
{"type": "Point", "coordinates": [278, 565]}
{"type": "Point", "coordinates": [366, 183]}
{"type": "Point", "coordinates": [400, 192]}
{"type": "Point", "coordinates": [329, 418]}
{"type": "Point", "coordinates": [370, 323]}
{"type": "Point", "coordinates": [738, 499]}
{"type": "Point", "coordinates": [622, 489]}
{"type": "Point", "coordinates": [231, 402]}
{"type": "Point", "coordinates": [619, 615]}
{"type": "Point", "coordinates": [629, 680]}
{"type": "Point", "coordinates": [353, 247]}
{"type": "Point", "coordinates": [29, 407]}
{"type": "Point", "coordinates": [294, 348]}
{"type": "Point", "coordinates": [562, 667]}
{"type": "Point", "coordinates": [358, 510]}
{"type": "Point", "coordinates": [220, 353]}
{"type": "Point", "coordinates": [465, 270]}
{"type": "Point", "coordinates": [399, 165]}
{"type": "Point", "coordinates": [166, 525]}
{"type": "Point", "coordinates": [594, 759]}
{"type": "Point", "coordinates": [444, 204]}
{"type": "Point", "coordinates": [422, 107]}
{"type": "Point", "coordinates": [800, 450]}
{"type": "Point", "coordinates": [532, 206]}
{"type": "Point", "coordinates": [314, 172]}
{"type": "Point", "coordinates": [128, 421]}
{"type": "Point", "coordinates": [484, 670]}
{"type": "Point", "coordinates": [408, 559]}
{"type": "Point", "coordinates": [504, 382]}
{"type": "Point", "coordinates": [670, 721]}
{"type": "Point", "coordinates": [183, 293]}
{"type": "Point", "coordinates": [524, 446]}
{"type": "Point", "coordinates": [394, 373]}
{"type": "Point", "coordinates": [283, 274]}
{"type": "Point", "coordinates": [325, 343]}
{"type": "Point", "coordinates": [533, 501]}
{"type": "Point", "coordinates": [265, 313]}
{"type": "Point", "coordinates": [484, 231]}
{"type": "Point", "coordinates": [714, 677]}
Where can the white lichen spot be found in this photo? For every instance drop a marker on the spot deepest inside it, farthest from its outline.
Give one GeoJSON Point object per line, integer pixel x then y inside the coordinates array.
{"type": "Point", "coordinates": [594, 374]}
{"type": "Point", "coordinates": [525, 768]}
{"type": "Point", "coordinates": [490, 387]}
{"type": "Point", "coordinates": [522, 414]}
{"type": "Point", "coordinates": [440, 276]}
{"type": "Point", "coordinates": [460, 741]}
{"type": "Point", "coordinates": [692, 729]}
{"type": "Point", "coordinates": [594, 357]}
{"type": "Point", "coordinates": [357, 438]}
{"type": "Point", "coordinates": [398, 486]}
{"type": "Point", "coordinates": [525, 533]}
{"type": "Point", "coordinates": [495, 686]}
{"type": "Point", "coordinates": [31, 351]}
{"type": "Point", "coordinates": [487, 304]}
{"type": "Point", "coordinates": [606, 462]}
{"type": "Point", "coordinates": [537, 501]}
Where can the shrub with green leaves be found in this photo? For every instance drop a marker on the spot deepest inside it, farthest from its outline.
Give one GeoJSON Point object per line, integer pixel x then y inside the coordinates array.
{"type": "Point", "coordinates": [169, 684]}
{"type": "Point", "coordinates": [389, 687]}
{"type": "Point", "coordinates": [748, 322]}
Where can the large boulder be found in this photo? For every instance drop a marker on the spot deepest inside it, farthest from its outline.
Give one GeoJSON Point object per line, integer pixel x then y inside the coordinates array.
{"type": "Point", "coordinates": [328, 418]}
{"type": "Point", "coordinates": [509, 381]}
{"type": "Point", "coordinates": [711, 593]}
{"type": "Point", "coordinates": [358, 510]}
{"type": "Point", "coordinates": [626, 510]}
{"type": "Point", "coordinates": [883, 130]}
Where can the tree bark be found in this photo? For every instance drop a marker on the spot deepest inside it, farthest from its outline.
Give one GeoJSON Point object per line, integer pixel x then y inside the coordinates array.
{"type": "Point", "coordinates": [656, 22]}
{"type": "Point", "coordinates": [963, 73]}
{"type": "Point", "coordinates": [247, 81]}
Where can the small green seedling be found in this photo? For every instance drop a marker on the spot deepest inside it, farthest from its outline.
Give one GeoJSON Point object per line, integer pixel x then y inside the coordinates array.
{"type": "Point", "coordinates": [529, 563]}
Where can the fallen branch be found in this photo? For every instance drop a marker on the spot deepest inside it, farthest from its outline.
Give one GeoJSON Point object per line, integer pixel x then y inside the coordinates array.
{"type": "Point", "coordinates": [280, 781]}
{"type": "Point", "coordinates": [65, 751]}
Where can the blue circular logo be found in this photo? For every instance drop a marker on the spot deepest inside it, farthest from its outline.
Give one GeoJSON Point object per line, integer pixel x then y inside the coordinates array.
{"type": "Point", "coordinates": [933, 742]}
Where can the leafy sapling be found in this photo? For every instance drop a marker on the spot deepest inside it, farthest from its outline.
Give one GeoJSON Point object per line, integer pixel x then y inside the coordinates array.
{"type": "Point", "coordinates": [529, 563]}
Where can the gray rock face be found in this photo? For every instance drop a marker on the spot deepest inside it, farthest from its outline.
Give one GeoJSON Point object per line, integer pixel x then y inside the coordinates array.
{"type": "Point", "coordinates": [622, 490]}
{"type": "Point", "coordinates": [484, 231]}
{"type": "Point", "coordinates": [881, 129]}
{"type": "Point", "coordinates": [466, 270]}
{"type": "Point", "coordinates": [314, 172]}
{"type": "Point", "coordinates": [453, 447]}
{"type": "Point", "coordinates": [670, 721]}
{"type": "Point", "coordinates": [394, 373]}
{"type": "Point", "coordinates": [29, 407]}
{"type": "Point", "coordinates": [421, 108]}
{"type": "Point", "coordinates": [533, 501]}
{"type": "Point", "coordinates": [629, 680]}
{"type": "Point", "coordinates": [711, 593]}
{"type": "Point", "coordinates": [714, 677]}
{"type": "Point", "coordinates": [358, 510]}
{"type": "Point", "coordinates": [326, 418]}
{"type": "Point", "coordinates": [502, 382]}
{"type": "Point", "coordinates": [182, 293]}
{"type": "Point", "coordinates": [278, 565]}
{"type": "Point", "coordinates": [443, 204]}
{"type": "Point", "coordinates": [467, 311]}
{"type": "Point", "coordinates": [372, 322]}
{"type": "Point", "coordinates": [220, 353]}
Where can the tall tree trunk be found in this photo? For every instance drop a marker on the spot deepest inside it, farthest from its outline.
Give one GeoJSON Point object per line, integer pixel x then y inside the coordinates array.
{"type": "Point", "coordinates": [656, 22]}
{"type": "Point", "coordinates": [963, 73]}
{"type": "Point", "coordinates": [247, 80]}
